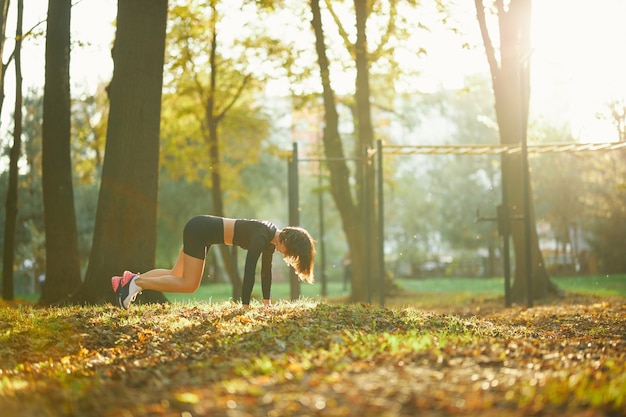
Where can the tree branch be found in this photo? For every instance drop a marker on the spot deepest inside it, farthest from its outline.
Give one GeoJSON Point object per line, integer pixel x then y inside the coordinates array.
{"type": "Point", "coordinates": [491, 56]}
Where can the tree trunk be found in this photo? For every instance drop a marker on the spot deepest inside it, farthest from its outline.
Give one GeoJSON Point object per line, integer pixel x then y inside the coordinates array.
{"type": "Point", "coordinates": [229, 255]}
{"type": "Point", "coordinates": [511, 78]}
{"type": "Point", "coordinates": [62, 260]}
{"type": "Point", "coordinates": [351, 216]}
{"type": "Point", "coordinates": [125, 227]}
{"type": "Point", "coordinates": [365, 136]}
{"type": "Point", "coordinates": [8, 258]}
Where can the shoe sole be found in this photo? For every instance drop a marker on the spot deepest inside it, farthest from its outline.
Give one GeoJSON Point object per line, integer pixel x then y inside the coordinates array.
{"type": "Point", "coordinates": [119, 300]}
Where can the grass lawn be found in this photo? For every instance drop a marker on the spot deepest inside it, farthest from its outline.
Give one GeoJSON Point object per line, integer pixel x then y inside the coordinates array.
{"type": "Point", "coordinates": [600, 285]}
{"type": "Point", "coordinates": [461, 288]}
{"type": "Point", "coordinates": [613, 285]}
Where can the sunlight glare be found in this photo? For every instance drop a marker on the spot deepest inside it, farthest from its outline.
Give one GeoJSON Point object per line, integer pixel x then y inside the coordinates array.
{"type": "Point", "coordinates": [578, 64]}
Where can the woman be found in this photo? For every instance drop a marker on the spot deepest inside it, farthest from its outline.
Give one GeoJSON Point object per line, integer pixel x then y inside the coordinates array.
{"type": "Point", "coordinates": [259, 238]}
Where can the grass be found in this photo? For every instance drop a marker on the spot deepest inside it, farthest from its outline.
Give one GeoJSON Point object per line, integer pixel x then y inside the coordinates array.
{"type": "Point", "coordinates": [280, 291]}
{"type": "Point", "coordinates": [604, 285]}
{"type": "Point", "coordinates": [309, 357]}
{"type": "Point", "coordinates": [442, 347]}
{"type": "Point", "coordinates": [460, 288]}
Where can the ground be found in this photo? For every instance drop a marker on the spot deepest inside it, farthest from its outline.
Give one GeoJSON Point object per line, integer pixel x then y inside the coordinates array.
{"type": "Point", "coordinates": [305, 358]}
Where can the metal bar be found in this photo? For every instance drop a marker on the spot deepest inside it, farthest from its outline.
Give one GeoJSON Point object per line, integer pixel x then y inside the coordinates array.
{"type": "Point", "coordinates": [381, 223]}
{"type": "Point", "coordinates": [496, 149]}
{"type": "Point", "coordinates": [526, 184]}
{"type": "Point", "coordinates": [320, 191]}
{"type": "Point", "coordinates": [328, 159]}
{"type": "Point", "coordinates": [294, 215]}
{"type": "Point", "coordinates": [367, 229]}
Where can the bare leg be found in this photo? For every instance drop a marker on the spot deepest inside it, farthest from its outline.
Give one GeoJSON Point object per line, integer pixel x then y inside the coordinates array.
{"type": "Point", "coordinates": [177, 270]}
{"type": "Point", "coordinates": [185, 276]}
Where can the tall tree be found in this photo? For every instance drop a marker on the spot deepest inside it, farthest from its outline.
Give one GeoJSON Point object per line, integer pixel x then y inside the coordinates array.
{"type": "Point", "coordinates": [511, 79]}
{"type": "Point", "coordinates": [11, 200]}
{"type": "Point", "coordinates": [62, 260]}
{"type": "Point", "coordinates": [209, 89]}
{"type": "Point", "coordinates": [365, 139]}
{"type": "Point", "coordinates": [213, 116]}
{"type": "Point", "coordinates": [357, 212]}
{"type": "Point", "coordinates": [339, 174]}
{"type": "Point", "coordinates": [125, 226]}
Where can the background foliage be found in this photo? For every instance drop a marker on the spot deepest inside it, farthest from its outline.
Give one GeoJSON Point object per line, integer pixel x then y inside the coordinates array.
{"type": "Point", "coordinates": [430, 202]}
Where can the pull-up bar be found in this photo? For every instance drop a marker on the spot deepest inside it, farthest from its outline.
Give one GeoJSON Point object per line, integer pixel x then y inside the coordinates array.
{"type": "Point", "coordinates": [293, 161]}
{"type": "Point", "coordinates": [478, 149]}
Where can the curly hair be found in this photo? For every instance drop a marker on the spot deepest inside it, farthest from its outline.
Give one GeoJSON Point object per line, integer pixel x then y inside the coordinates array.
{"type": "Point", "coordinates": [299, 251]}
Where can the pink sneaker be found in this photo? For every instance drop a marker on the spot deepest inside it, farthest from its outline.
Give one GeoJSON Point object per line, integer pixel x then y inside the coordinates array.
{"type": "Point", "coordinates": [127, 290]}
{"type": "Point", "coordinates": [123, 280]}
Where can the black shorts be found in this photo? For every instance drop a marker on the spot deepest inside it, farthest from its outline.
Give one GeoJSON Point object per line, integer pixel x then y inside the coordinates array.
{"type": "Point", "coordinates": [200, 233]}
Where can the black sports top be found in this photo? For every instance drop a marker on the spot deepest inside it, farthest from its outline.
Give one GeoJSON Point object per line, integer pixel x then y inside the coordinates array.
{"type": "Point", "coordinates": [255, 236]}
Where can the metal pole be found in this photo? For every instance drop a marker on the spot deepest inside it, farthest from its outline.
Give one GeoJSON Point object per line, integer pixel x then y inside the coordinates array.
{"type": "Point", "coordinates": [381, 224]}
{"type": "Point", "coordinates": [320, 191]}
{"type": "Point", "coordinates": [294, 215]}
{"type": "Point", "coordinates": [527, 228]}
{"type": "Point", "coordinates": [526, 185]}
{"type": "Point", "coordinates": [504, 229]}
{"type": "Point", "coordinates": [366, 219]}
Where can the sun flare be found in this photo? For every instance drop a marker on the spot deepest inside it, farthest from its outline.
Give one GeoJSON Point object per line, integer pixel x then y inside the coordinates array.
{"type": "Point", "coordinates": [578, 62]}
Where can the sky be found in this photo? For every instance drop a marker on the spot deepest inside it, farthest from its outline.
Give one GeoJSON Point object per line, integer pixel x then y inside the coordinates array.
{"type": "Point", "coordinates": [577, 65]}
{"type": "Point", "coordinates": [92, 23]}
{"type": "Point", "coordinates": [579, 61]}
